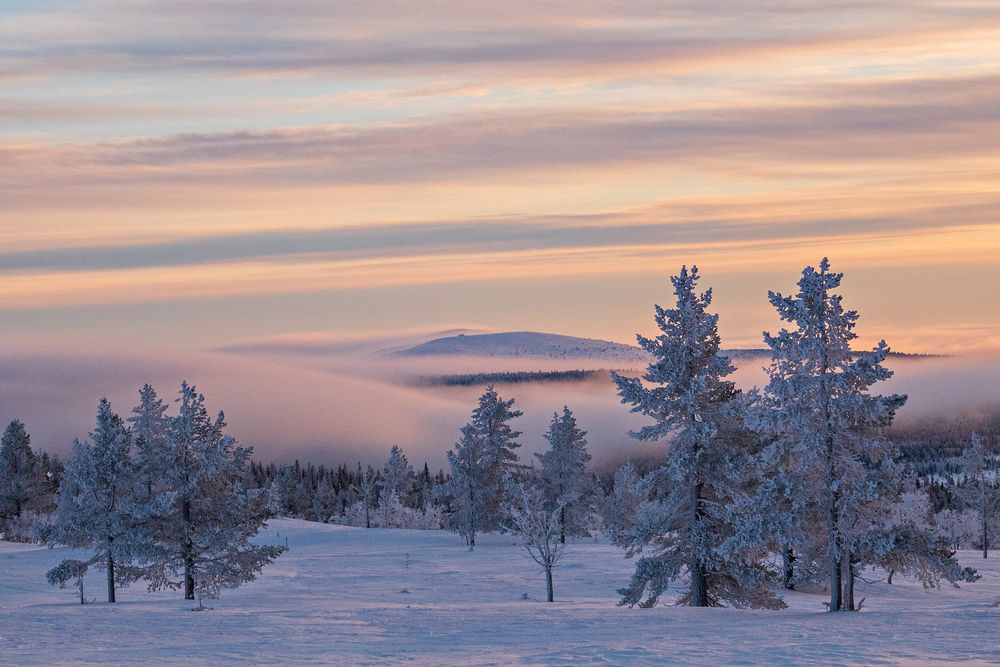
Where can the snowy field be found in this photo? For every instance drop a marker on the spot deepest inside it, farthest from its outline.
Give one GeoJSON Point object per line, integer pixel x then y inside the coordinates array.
{"type": "Point", "coordinates": [337, 597]}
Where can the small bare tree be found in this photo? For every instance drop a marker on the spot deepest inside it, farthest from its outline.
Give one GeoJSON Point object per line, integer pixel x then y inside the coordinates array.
{"type": "Point", "coordinates": [70, 569]}
{"type": "Point", "coordinates": [525, 515]}
{"type": "Point", "coordinates": [979, 491]}
{"type": "Point", "coordinates": [367, 488]}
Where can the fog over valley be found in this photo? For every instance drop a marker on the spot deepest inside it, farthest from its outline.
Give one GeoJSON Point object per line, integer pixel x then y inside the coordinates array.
{"type": "Point", "coordinates": [333, 399]}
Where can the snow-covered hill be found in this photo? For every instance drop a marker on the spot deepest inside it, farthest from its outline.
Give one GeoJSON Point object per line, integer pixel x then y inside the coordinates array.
{"type": "Point", "coordinates": [554, 346]}
{"type": "Point", "coordinates": [527, 344]}
{"type": "Point", "coordinates": [336, 597]}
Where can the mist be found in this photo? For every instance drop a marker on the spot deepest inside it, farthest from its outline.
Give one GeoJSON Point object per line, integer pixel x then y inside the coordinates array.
{"type": "Point", "coordinates": [350, 404]}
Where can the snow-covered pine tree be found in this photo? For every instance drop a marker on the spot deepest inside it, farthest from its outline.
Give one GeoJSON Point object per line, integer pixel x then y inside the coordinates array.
{"type": "Point", "coordinates": [205, 538]}
{"type": "Point", "coordinates": [564, 476]}
{"type": "Point", "coordinates": [425, 487]}
{"type": "Point", "coordinates": [18, 477]}
{"type": "Point", "coordinates": [905, 539]}
{"type": "Point", "coordinates": [465, 492]}
{"type": "Point", "coordinates": [325, 502]}
{"type": "Point", "coordinates": [785, 523]}
{"type": "Point", "coordinates": [101, 505]}
{"type": "Point", "coordinates": [684, 528]}
{"type": "Point", "coordinates": [482, 457]}
{"type": "Point", "coordinates": [394, 482]}
{"type": "Point", "coordinates": [885, 524]}
{"type": "Point", "coordinates": [621, 505]}
{"type": "Point", "coordinates": [526, 513]}
{"type": "Point", "coordinates": [822, 410]}
{"type": "Point", "coordinates": [979, 492]}
{"type": "Point", "coordinates": [491, 421]}
{"type": "Point", "coordinates": [960, 528]}
{"type": "Point", "coordinates": [149, 425]}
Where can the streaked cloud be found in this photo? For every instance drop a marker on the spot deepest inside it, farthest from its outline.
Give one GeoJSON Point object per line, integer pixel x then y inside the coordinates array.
{"type": "Point", "coordinates": [195, 175]}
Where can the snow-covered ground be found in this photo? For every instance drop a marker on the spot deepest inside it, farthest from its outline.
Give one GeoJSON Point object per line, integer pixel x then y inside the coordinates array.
{"type": "Point", "coordinates": [336, 598]}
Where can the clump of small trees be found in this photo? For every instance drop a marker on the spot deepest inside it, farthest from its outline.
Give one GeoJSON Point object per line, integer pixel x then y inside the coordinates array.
{"type": "Point", "coordinates": [28, 484]}
{"type": "Point", "coordinates": [163, 498]}
{"type": "Point", "coordinates": [800, 468]}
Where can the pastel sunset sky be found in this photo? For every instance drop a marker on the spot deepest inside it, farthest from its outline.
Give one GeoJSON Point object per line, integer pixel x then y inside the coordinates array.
{"type": "Point", "coordinates": [185, 175]}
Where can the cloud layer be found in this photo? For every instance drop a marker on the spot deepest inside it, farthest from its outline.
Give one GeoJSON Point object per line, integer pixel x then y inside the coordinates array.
{"type": "Point", "coordinates": [178, 177]}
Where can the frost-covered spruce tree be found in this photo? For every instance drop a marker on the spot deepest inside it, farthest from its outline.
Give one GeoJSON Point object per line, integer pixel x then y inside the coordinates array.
{"type": "Point", "coordinates": [19, 477]}
{"type": "Point", "coordinates": [905, 539]}
{"type": "Point", "coordinates": [394, 482]}
{"type": "Point", "coordinates": [204, 541]}
{"type": "Point", "coordinates": [979, 491]}
{"type": "Point", "coordinates": [960, 528]}
{"type": "Point", "coordinates": [564, 476]}
{"type": "Point", "coordinates": [621, 505]}
{"type": "Point", "coordinates": [101, 506]}
{"type": "Point", "coordinates": [684, 529]}
{"type": "Point", "coordinates": [149, 423]}
{"type": "Point", "coordinates": [885, 524]}
{"type": "Point", "coordinates": [479, 461]}
{"type": "Point", "coordinates": [491, 423]}
{"type": "Point", "coordinates": [465, 492]}
{"type": "Point", "coordinates": [425, 487]}
{"type": "Point", "coordinates": [325, 503]}
{"type": "Point", "coordinates": [820, 405]}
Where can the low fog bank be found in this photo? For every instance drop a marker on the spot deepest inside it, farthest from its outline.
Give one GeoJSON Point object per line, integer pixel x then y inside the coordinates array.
{"type": "Point", "coordinates": [346, 410]}
{"type": "Point", "coordinates": [346, 405]}
{"type": "Point", "coordinates": [284, 412]}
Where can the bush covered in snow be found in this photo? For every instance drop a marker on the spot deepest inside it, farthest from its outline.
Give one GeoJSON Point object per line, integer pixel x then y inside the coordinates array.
{"type": "Point", "coordinates": [396, 515]}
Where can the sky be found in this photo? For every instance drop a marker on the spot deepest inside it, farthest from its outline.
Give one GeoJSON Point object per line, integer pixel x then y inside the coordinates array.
{"type": "Point", "coordinates": [179, 177]}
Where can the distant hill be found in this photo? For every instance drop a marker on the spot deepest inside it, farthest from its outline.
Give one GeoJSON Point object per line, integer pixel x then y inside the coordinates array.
{"type": "Point", "coordinates": [552, 346]}
{"type": "Point", "coordinates": [526, 344]}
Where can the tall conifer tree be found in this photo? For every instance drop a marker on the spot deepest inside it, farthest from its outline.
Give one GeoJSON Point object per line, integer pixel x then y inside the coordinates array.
{"type": "Point", "coordinates": [101, 506]}
{"type": "Point", "coordinates": [684, 528]}
{"type": "Point", "coordinates": [825, 417]}
{"type": "Point", "coordinates": [564, 476]}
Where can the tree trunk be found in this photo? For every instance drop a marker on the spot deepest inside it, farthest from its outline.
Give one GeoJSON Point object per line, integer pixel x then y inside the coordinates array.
{"type": "Point", "coordinates": [848, 575]}
{"type": "Point", "coordinates": [889, 580]}
{"type": "Point", "coordinates": [548, 582]}
{"type": "Point", "coordinates": [189, 578]}
{"type": "Point", "coordinates": [188, 554]}
{"type": "Point", "coordinates": [788, 557]}
{"type": "Point", "coordinates": [111, 578]}
{"type": "Point", "coordinates": [834, 546]}
{"type": "Point", "coordinates": [986, 542]}
{"type": "Point", "coordinates": [699, 585]}
{"type": "Point", "coordinates": [472, 521]}
{"type": "Point", "coordinates": [835, 585]}
{"type": "Point", "coordinates": [562, 527]}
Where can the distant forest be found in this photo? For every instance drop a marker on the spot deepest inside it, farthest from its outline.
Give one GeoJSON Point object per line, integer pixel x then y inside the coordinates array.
{"type": "Point", "coordinates": [578, 375]}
